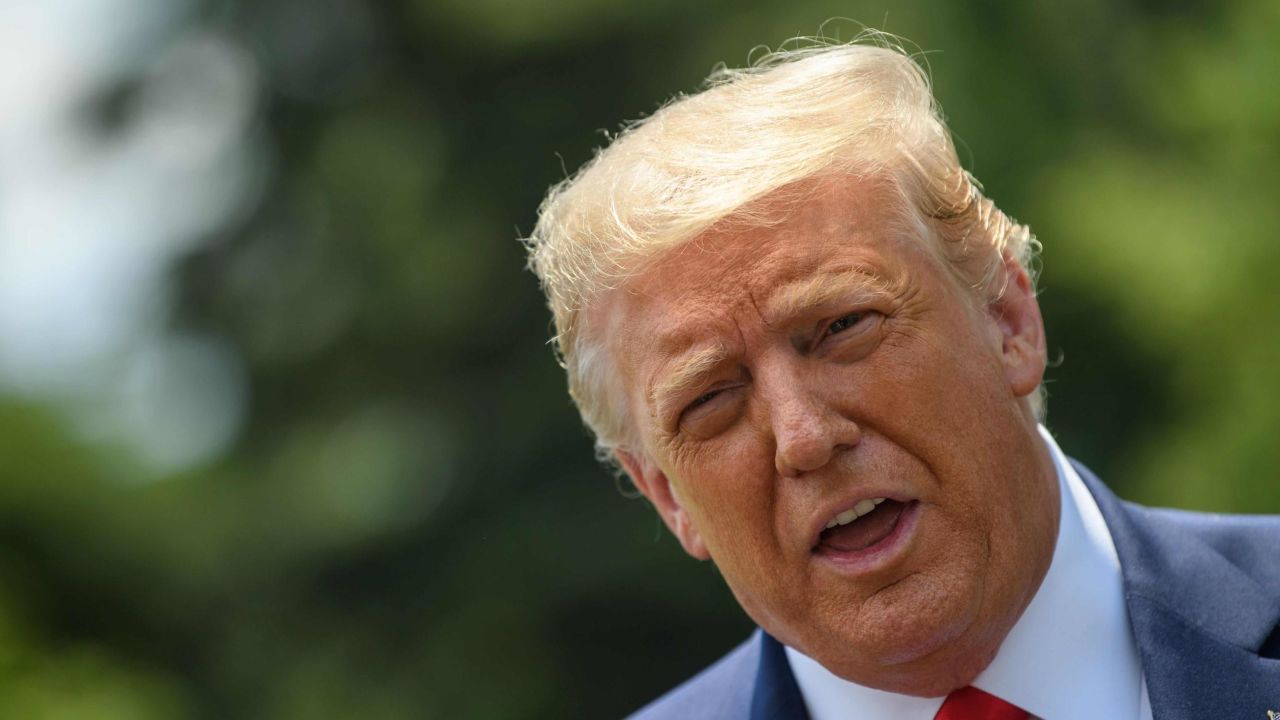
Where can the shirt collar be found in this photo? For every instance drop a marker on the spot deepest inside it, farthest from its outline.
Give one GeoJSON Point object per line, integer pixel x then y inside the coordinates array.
{"type": "Point", "coordinates": [1075, 631]}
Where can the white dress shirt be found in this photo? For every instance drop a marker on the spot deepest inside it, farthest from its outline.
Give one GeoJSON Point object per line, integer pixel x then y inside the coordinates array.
{"type": "Point", "coordinates": [1070, 656]}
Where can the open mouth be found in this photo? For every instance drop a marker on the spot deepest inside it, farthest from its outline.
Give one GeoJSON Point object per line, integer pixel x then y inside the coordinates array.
{"type": "Point", "coordinates": [861, 527]}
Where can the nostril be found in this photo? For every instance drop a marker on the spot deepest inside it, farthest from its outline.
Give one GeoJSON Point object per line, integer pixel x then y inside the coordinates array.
{"type": "Point", "coordinates": [843, 447]}
{"type": "Point", "coordinates": [798, 454]}
{"type": "Point", "coordinates": [808, 428]}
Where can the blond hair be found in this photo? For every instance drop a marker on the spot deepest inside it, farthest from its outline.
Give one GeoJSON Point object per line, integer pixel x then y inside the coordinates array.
{"type": "Point", "coordinates": [861, 109]}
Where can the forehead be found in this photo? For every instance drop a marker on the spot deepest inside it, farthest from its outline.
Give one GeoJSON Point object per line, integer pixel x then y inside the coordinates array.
{"type": "Point", "coordinates": [828, 228]}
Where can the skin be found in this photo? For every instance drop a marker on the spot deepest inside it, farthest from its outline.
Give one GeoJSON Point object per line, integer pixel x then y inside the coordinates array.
{"type": "Point", "coordinates": [833, 357]}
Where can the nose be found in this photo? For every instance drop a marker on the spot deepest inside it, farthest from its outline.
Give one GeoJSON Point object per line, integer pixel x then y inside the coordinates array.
{"type": "Point", "coordinates": [808, 429]}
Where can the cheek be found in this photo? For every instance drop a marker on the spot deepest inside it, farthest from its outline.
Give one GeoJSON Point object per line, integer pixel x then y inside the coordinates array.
{"type": "Point", "coordinates": [733, 500]}
{"type": "Point", "coordinates": [943, 392]}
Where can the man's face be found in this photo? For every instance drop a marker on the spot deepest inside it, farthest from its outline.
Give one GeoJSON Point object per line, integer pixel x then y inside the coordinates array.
{"type": "Point", "coordinates": [782, 376]}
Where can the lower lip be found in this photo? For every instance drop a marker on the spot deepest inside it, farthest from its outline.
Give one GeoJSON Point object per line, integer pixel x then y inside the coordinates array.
{"type": "Point", "coordinates": [879, 555]}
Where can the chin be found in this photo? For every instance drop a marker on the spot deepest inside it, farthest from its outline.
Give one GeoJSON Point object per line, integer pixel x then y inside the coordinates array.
{"type": "Point", "coordinates": [923, 672]}
{"type": "Point", "coordinates": [925, 651]}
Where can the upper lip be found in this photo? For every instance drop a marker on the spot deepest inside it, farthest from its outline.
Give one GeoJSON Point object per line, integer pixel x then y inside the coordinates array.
{"type": "Point", "coordinates": [839, 505]}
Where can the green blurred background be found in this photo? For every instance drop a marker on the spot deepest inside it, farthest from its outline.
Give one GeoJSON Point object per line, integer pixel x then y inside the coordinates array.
{"type": "Point", "coordinates": [280, 432]}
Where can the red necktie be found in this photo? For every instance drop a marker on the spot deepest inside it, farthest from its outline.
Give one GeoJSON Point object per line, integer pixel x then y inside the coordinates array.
{"type": "Point", "coordinates": [970, 703]}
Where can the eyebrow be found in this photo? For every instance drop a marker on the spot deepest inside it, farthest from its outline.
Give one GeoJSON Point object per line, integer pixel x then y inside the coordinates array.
{"type": "Point", "coordinates": [675, 378]}
{"type": "Point", "coordinates": [795, 298]}
{"type": "Point", "coordinates": [688, 372]}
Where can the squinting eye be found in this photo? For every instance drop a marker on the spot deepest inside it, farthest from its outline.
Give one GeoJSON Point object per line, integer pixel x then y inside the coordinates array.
{"type": "Point", "coordinates": [844, 323]}
{"type": "Point", "coordinates": [702, 399]}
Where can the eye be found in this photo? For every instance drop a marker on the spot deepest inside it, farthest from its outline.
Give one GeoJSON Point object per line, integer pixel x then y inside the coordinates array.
{"type": "Point", "coordinates": [712, 412]}
{"type": "Point", "coordinates": [845, 323]}
{"type": "Point", "coordinates": [702, 399]}
{"type": "Point", "coordinates": [850, 336]}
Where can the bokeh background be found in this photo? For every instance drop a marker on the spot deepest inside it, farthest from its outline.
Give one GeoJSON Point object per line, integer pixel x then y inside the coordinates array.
{"type": "Point", "coordinates": [281, 435]}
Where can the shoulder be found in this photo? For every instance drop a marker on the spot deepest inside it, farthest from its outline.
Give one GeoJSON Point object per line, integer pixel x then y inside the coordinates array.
{"type": "Point", "coordinates": [720, 692]}
{"type": "Point", "coordinates": [1181, 542]}
{"type": "Point", "coordinates": [1249, 542]}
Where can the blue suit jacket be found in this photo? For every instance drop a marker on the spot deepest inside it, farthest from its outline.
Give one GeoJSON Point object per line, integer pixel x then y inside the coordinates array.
{"type": "Point", "coordinates": [1203, 593]}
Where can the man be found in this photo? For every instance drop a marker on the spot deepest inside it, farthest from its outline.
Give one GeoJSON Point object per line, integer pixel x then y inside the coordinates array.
{"type": "Point", "coordinates": [815, 347]}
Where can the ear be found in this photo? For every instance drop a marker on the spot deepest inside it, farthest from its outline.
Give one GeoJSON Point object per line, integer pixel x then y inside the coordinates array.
{"type": "Point", "coordinates": [655, 486]}
{"type": "Point", "coordinates": [1017, 315]}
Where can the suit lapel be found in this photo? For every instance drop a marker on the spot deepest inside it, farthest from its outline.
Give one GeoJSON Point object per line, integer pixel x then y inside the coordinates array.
{"type": "Point", "coordinates": [776, 695]}
{"type": "Point", "coordinates": [1198, 619]}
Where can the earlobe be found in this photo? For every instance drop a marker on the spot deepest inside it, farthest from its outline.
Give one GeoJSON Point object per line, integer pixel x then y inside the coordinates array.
{"type": "Point", "coordinates": [1017, 314]}
{"type": "Point", "coordinates": [656, 486]}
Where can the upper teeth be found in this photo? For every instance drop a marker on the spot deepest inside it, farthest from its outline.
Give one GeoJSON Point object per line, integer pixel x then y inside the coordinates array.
{"type": "Point", "coordinates": [862, 508]}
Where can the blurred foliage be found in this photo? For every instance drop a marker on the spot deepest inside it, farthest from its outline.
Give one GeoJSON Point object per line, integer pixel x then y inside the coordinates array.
{"type": "Point", "coordinates": [411, 525]}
